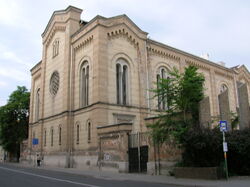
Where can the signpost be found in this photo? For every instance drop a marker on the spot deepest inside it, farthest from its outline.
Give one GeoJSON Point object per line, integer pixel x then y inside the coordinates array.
{"type": "Point", "coordinates": [223, 129]}
{"type": "Point", "coordinates": [35, 143]}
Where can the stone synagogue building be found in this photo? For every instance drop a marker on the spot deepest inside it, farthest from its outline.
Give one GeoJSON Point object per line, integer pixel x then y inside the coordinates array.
{"type": "Point", "coordinates": [90, 99]}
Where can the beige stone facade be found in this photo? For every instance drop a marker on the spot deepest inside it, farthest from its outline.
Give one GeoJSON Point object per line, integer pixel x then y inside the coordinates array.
{"type": "Point", "coordinates": [84, 56]}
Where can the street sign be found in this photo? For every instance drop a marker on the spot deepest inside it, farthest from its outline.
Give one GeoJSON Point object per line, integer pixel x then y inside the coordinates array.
{"type": "Point", "coordinates": [35, 141]}
{"type": "Point", "coordinates": [223, 126]}
{"type": "Point", "coordinates": [225, 149]}
{"type": "Point", "coordinates": [223, 129]}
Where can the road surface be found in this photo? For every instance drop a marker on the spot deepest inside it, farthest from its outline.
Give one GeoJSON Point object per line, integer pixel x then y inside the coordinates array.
{"type": "Point", "coordinates": [13, 176]}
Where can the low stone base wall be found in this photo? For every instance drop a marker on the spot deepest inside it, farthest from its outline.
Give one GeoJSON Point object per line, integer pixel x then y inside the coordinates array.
{"type": "Point", "coordinates": [165, 168]}
{"type": "Point", "coordinates": [83, 161]}
{"type": "Point", "coordinates": [121, 167]}
{"type": "Point", "coordinates": [55, 160]}
{"type": "Point", "coordinates": [198, 172]}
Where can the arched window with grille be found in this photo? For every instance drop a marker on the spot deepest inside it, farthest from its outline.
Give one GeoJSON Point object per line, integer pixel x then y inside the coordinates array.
{"type": "Point", "coordinates": [37, 104]}
{"type": "Point", "coordinates": [122, 82]}
{"type": "Point", "coordinates": [162, 73]}
{"type": "Point", "coordinates": [84, 84]}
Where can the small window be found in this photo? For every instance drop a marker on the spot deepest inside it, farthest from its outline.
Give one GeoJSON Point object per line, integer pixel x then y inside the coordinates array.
{"type": "Point", "coordinates": [55, 48]}
{"type": "Point", "coordinates": [52, 137]}
{"type": "Point", "coordinates": [60, 136]}
{"type": "Point", "coordinates": [77, 134]}
{"type": "Point", "coordinates": [45, 137]}
{"type": "Point", "coordinates": [89, 131]}
{"type": "Point", "coordinates": [33, 136]}
{"type": "Point", "coordinates": [37, 104]}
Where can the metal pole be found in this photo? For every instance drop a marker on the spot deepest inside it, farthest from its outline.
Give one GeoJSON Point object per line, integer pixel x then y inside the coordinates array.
{"type": "Point", "coordinates": [225, 156]}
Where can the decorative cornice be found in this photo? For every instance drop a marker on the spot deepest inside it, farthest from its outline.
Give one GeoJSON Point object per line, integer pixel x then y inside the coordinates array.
{"type": "Point", "coordinates": [83, 43]}
{"type": "Point", "coordinates": [162, 53]}
{"type": "Point", "coordinates": [52, 33]}
{"type": "Point", "coordinates": [224, 73]}
{"type": "Point", "coordinates": [197, 64]}
{"type": "Point", "coordinates": [89, 106]}
{"type": "Point", "coordinates": [123, 33]}
{"type": "Point", "coordinates": [36, 67]}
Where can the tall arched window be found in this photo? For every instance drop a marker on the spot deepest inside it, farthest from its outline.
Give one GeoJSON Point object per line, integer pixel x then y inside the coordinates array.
{"type": "Point", "coordinates": [162, 97]}
{"type": "Point", "coordinates": [52, 137]}
{"type": "Point", "coordinates": [223, 88]}
{"type": "Point", "coordinates": [84, 84]}
{"type": "Point", "coordinates": [55, 48]}
{"type": "Point", "coordinates": [122, 82]}
{"type": "Point", "coordinates": [89, 131]}
{"type": "Point", "coordinates": [45, 137]}
{"type": "Point", "coordinates": [60, 135]}
{"type": "Point", "coordinates": [77, 133]}
{"type": "Point", "coordinates": [37, 104]}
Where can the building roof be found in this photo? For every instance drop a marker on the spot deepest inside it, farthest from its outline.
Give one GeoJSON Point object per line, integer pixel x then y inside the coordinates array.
{"type": "Point", "coordinates": [86, 24]}
{"type": "Point", "coordinates": [60, 12]}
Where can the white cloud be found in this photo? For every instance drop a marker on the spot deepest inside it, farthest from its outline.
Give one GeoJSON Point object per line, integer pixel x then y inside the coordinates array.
{"type": "Point", "coordinates": [3, 84]}
{"type": "Point", "coordinates": [14, 74]}
{"type": "Point", "coordinates": [9, 55]}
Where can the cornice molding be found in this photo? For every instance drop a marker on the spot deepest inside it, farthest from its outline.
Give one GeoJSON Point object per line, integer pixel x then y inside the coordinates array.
{"type": "Point", "coordinates": [123, 33]}
{"type": "Point", "coordinates": [83, 43]}
{"type": "Point", "coordinates": [162, 53]}
{"type": "Point", "coordinates": [52, 33]}
{"type": "Point", "coordinates": [224, 73]}
{"type": "Point", "coordinates": [197, 64]}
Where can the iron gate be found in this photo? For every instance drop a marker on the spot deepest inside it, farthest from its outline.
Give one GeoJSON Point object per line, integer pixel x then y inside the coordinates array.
{"type": "Point", "coordinates": [138, 152]}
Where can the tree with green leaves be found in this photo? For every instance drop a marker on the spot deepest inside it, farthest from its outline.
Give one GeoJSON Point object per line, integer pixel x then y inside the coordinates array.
{"type": "Point", "coordinates": [182, 93]}
{"type": "Point", "coordinates": [14, 120]}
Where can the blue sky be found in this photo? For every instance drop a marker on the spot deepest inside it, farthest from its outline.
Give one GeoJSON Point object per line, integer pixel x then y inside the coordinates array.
{"type": "Point", "coordinates": [219, 28]}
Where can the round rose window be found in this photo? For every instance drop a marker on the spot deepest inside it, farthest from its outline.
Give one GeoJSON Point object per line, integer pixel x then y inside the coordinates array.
{"type": "Point", "coordinates": [54, 83]}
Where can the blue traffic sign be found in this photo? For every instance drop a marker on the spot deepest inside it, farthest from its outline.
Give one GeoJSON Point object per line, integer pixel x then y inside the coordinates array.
{"type": "Point", "coordinates": [223, 126]}
{"type": "Point", "coordinates": [35, 141]}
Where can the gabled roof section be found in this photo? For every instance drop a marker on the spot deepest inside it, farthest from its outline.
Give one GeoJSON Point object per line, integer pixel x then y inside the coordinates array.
{"type": "Point", "coordinates": [243, 69]}
{"type": "Point", "coordinates": [36, 68]}
{"type": "Point", "coordinates": [129, 20]}
{"type": "Point", "coordinates": [110, 22]}
{"type": "Point", "coordinates": [58, 12]}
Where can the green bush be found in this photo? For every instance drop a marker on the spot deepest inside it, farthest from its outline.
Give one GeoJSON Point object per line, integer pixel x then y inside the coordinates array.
{"type": "Point", "coordinates": [239, 152]}
{"type": "Point", "coordinates": [203, 148]}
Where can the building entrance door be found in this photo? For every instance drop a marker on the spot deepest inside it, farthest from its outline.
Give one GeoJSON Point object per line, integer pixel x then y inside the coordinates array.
{"type": "Point", "coordinates": [137, 154]}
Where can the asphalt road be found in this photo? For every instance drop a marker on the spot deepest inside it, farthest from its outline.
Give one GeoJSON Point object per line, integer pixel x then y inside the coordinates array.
{"type": "Point", "coordinates": [12, 176]}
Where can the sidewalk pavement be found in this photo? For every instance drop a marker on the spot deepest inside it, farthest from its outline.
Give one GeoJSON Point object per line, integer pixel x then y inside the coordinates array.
{"type": "Point", "coordinates": [112, 175]}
